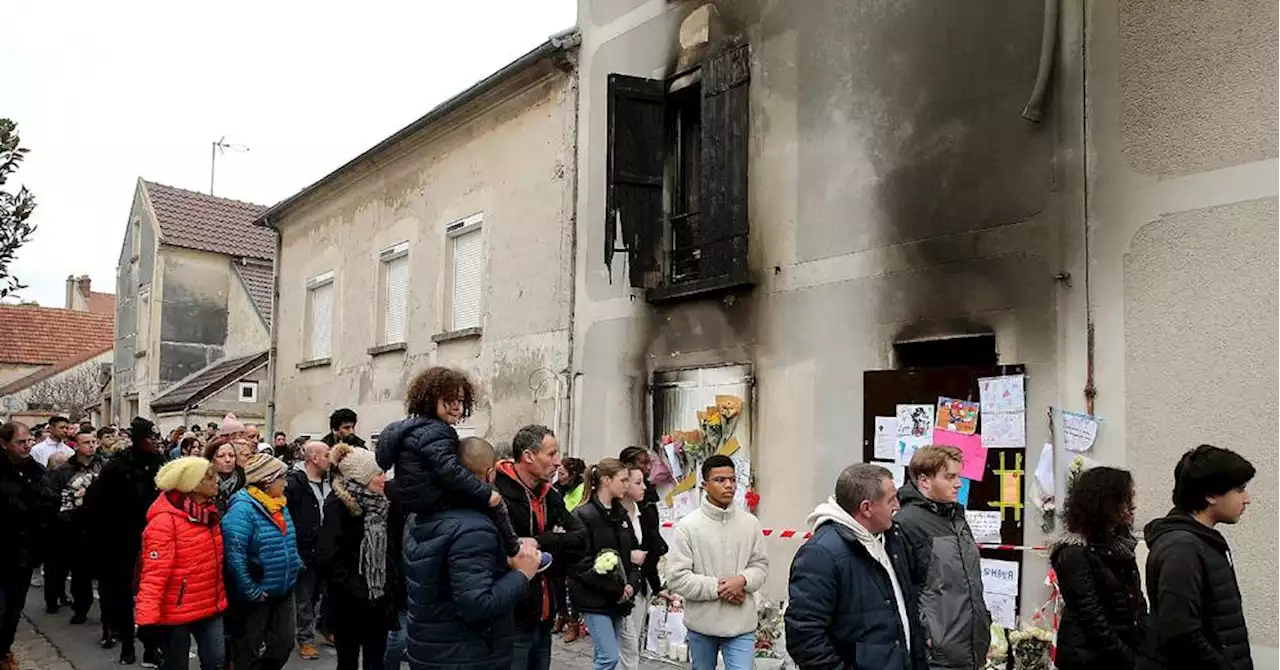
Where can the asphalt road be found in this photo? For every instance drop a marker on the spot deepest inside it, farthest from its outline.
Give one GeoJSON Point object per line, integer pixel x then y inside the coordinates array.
{"type": "Point", "coordinates": [50, 642]}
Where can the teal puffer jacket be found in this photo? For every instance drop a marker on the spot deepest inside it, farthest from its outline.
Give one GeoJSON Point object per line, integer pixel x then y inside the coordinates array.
{"type": "Point", "coordinates": [259, 558]}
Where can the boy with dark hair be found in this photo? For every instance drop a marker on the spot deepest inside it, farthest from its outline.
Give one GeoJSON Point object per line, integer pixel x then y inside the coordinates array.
{"type": "Point", "coordinates": [342, 428]}
{"type": "Point", "coordinates": [1197, 617]}
{"type": "Point", "coordinates": [717, 560]}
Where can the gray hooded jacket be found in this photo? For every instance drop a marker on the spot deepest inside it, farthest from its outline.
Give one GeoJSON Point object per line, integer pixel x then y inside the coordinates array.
{"type": "Point", "coordinates": [947, 573]}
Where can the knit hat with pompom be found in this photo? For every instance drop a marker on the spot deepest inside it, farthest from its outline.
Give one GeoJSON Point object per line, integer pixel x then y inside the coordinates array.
{"type": "Point", "coordinates": [182, 475]}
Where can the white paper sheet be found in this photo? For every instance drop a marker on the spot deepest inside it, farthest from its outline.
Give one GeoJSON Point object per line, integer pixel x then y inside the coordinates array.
{"type": "Point", "coordinates": [1044, 471]}
{"type": "Point", "coordinates": [886, 438]}
{"type": "Point", "coordinates": [742, 472]}
{"type": "Point", "coordinates": [1078, 431]}
{"type": "Point", "coordinates": [984, 524]}
{"type": "Point", "coordinates": [905, 447]}
{"type": "Point", "coordinates": [1002, 394]}
{"type": "Point", "coordinates": [674, 461]}
{"type": "Point", "coordinates": [676, 632]}
{"type": "Point", "coordinates": [1004, 429]}
{"type": "Point", "coordinates": [653, 636]}
{"type": "Point", "coordinates": [684, 503]}
{"type": "Point", "coordinates": [1000, 576]}
{"type": "Point", "coordinates": [915, 420]}
{"type": "Point", "coordinates": [1003, 608]}
{"type": "Point", "coordinates": [899, 473]}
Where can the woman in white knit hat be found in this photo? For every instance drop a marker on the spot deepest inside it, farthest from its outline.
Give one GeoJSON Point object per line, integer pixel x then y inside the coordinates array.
{"type": "Point", "coordinates": [353, 557]}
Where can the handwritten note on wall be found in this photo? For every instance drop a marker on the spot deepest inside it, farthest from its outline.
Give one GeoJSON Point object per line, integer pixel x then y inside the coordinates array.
{"type": "Point", "coordinates": [984, 524]}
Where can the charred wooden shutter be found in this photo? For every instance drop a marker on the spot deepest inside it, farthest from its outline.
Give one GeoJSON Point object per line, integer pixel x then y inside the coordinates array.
{"type": "Point", "coordinates": [634, 194]}
{"type": "Point", "coordinates": [725, 138]}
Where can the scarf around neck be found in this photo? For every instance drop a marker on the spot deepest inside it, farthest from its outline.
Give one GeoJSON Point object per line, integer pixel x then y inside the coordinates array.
{"type": "Point", "coordinates": [204, 514]}
{"type": "Point", "coordinates": [361, 501]}
{"type": "Point", "coordinates": [274, 506]}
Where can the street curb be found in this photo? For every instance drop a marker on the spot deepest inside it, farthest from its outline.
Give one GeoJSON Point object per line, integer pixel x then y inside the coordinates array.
{"type": "Point", "coordinates": [35, 651]}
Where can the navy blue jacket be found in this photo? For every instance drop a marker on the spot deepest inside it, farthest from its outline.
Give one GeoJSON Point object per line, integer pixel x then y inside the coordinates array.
{"type": "Point", "coordinates": [842, 612]}
{"type": "Point", "coordinates": [424, 453]}
{"type": "Point", "coordinates": [462, 594]}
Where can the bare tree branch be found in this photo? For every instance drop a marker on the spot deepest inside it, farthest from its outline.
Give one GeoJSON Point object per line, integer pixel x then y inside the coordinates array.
{"type": "Point", "coordinates": [69, 392]}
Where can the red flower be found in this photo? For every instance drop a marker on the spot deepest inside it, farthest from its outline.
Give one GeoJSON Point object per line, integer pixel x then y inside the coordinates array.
{"type": "Point", "coordinates": [753, 499]}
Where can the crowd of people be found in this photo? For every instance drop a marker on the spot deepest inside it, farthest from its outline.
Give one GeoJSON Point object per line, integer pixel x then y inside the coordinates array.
{"type": "Point", "coordinates": [441, 552]}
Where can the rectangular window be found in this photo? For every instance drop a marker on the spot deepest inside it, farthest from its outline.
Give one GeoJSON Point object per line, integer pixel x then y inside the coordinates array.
{"type": "Point", "coordinates": [676, 198]}
{"type": "Point", "coordinates": [248, 391]}
{"type": "Point", "coordinates": [466, 273]}
{"type": "Point", "coordinates": [320, 301]}
{"type": "Point", "coordinates": [144, 320]}
{"type": "Point", "coordinates": [394, 297]}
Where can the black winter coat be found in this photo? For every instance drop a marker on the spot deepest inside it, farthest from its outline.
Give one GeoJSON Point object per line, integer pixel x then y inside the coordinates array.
{"type": "Point", "coordinates": [842, 612]}
{"type": "Point", "coordinates": [1197, 617]}
{"type": "Point", "coordinates": [424, 453]}
{"type": "Point", "coordinates": [1103, 607]}
{"type": "Point", "coordinates": [462, 594]}
{"type": "Point", "coordinates": [305, 510]}
{"type": "Point", "coordinates": [395, 548]}
{"type": "Point", "coordinates": [652, 542]}
{"type": "Point", "coordinates": [539, 514]}
{"type": "Point", "coordinates": [116, 508]}
{"type": "Point", "coordinates": [26, 512]}
{"type": "Point", "coordinates": [352, 440]}
{"type": "Point", "coordinates": [604, 529]}
{"type": "Point", "coordinates": [338, 560]}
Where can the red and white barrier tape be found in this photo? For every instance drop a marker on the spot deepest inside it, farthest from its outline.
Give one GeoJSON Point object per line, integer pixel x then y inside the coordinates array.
{"type": "Point", "coordinates": [790, 533]}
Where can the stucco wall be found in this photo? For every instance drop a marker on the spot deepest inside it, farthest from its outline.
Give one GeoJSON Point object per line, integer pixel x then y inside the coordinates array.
{"type": "Point", "coordinates": [1183, 256]}
{"type": "Point", "coordinates": [130, 275]}
{"type": "Point", "coordinates": [509, 158]}
{"type": "Point", "coordinates": [893, 188]}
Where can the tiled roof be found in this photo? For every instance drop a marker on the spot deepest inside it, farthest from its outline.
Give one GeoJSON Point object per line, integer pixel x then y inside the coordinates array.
{"type": "Point", "coordinates": [206, 382]}
{"type": "Point", "coordinates": [49, 371]}
{"type": "Point", "coordinates": [32, 335]}
{"type": "Point", "coordinates": [200, 221]}
{"type": "Point", "coordinates": [257, 278]}
{"type": "Point", "coordinates": [102, 303]}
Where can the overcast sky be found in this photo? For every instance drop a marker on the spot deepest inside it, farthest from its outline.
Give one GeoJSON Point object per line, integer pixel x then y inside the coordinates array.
{"type": "Point", "coordinates": [105, 92]}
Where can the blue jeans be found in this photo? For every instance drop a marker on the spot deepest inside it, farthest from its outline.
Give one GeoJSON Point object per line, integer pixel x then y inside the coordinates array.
{"type": "Point", "coordinates": [738, 652]}
{"type": "Point", "coordinates": [210, 647]}
{"type": "Point", "coordinates": [604, 630]}
{"type": "Point", "coordinates": [532, 647]}
{"type": "Point", "coordinates": [395, 643]}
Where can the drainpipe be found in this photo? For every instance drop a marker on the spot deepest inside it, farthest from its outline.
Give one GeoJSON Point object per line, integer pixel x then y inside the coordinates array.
{"type": "Point", "coordinates": [272, 373]}
{"type": "Point", "coordinates": [1034, 111]}
{"type": "Point", "coordinates": [572, 374]}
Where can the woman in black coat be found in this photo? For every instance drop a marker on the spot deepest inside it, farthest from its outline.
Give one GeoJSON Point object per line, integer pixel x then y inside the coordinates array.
{"type": "Point", "coordinates": [606, 599]}
{"type": "Point", "coordinates": [1098, 575]}
{"type": "Point", "coordinates": [354, 560]}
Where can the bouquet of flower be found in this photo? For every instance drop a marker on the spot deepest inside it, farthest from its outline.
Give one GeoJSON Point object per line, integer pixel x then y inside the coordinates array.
{"type": "Point", "coordinates": [1030, 647]}
{"type": "Point", "coordinates": [609, 564]}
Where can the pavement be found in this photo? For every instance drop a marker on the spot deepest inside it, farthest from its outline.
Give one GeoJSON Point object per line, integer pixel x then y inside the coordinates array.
{"type": "Point", "coordinates": [50, 642]}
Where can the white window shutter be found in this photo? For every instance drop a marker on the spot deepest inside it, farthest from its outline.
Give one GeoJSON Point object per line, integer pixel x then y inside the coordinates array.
{"type": "Point", "coordinates": [396, 300]}
{"type": "Point", "coordinates": [321, 320]}
{"type": "Point", "coordinates": [468, 270]}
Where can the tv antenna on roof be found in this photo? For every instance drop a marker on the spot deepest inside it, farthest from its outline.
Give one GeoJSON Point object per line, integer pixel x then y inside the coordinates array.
{"type": "Point", "coordinates": [221, 147]}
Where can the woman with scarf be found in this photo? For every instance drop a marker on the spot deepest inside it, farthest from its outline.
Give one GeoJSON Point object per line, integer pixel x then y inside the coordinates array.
{"type": "Point", "coordinates": [1103, 607]}
{"type": "Point", "coordinates": [353, 558]}
{"type": "Point", "coordinates": [222, 454]}
{"type": "Point", "coordinates": [261, 554]}
{"type": "Point", "coordinates": [181, 593]}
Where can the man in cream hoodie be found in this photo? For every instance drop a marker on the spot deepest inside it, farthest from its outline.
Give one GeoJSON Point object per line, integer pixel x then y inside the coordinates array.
{"type": "Point", "coordinates": [717, 561]}
{"type": "Point", "coordinates": [851, 599]}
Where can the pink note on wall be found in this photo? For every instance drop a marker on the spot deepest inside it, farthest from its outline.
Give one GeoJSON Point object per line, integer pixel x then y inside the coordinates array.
{"type": "Point", "coordinates": [975, 455]}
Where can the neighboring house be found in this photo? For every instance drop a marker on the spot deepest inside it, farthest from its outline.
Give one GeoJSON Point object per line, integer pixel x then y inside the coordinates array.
{"type": "Point", "coordinates": [232, 385]}
{"type": "Point", "coordinates": [448, 243]}
{"type": "Point", "coordinates": [49, 360]}
{"type": "Point", "coordinates": [193, 289]}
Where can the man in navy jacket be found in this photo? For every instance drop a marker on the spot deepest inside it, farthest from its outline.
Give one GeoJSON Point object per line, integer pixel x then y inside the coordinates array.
{"type": "Point", "coordinates": [851, 599]}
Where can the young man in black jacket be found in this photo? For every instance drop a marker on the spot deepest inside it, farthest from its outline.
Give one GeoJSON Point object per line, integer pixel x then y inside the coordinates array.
{"type": "Point", "coordinates": [25, 513]}
{"type": "Point", "coordinates": [1197, 618]}
{"type": "Point", "coordinates": [306, 490]}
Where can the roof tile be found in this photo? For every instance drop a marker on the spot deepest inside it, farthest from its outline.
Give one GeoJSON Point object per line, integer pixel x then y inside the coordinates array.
{"type": "Point", "coordinates": [257, 278]}
{"type": "Point", "coordinates": [32, 335]}
{"type": "Point", "coordinates": [200, 221]}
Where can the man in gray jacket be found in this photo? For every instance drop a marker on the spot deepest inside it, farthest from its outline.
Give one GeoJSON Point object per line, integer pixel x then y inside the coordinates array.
{"type": "Point", "coordinates": [946, 568]}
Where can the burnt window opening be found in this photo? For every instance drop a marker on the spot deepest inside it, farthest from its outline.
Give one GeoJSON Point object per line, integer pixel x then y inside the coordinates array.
{"type": "Point", "coordinates": [949, 352]}
{"type": "Point", "coordinates": [677, 178]}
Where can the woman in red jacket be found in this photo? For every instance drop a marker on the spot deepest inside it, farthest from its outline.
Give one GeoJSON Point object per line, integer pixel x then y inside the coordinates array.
{"type": "Point", "coordinates": [181, 593]}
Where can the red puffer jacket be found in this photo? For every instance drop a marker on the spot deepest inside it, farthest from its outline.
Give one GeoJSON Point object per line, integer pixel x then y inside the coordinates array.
{"type": "Point", "coordinates": [181, 566]}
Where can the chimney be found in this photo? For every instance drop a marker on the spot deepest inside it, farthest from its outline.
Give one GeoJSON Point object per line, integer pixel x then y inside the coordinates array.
{"type": "Point", "coordinates": [71, 292]}
{"type": "Point", "coordinates": [84, 283]}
